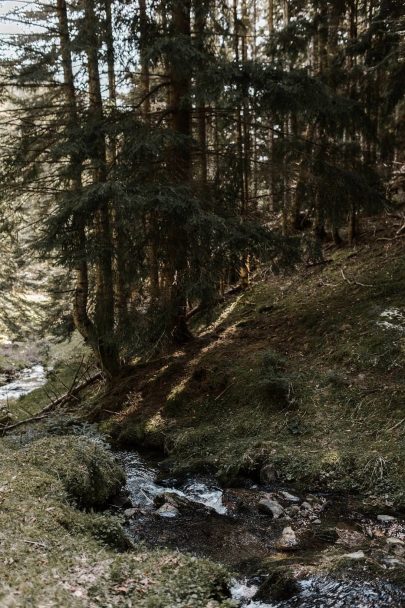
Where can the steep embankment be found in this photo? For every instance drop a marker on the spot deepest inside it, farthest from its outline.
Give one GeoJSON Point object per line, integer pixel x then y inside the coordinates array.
{"type": "Point", "coordinates": [302, 372]}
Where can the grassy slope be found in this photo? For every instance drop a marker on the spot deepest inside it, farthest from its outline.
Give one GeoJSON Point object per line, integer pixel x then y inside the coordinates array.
{"type": "Point", "coordinates": [297, 371]}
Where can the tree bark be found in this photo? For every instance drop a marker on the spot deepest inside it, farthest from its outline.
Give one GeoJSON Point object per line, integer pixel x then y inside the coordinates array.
{"type": "Point", "coordinates": [81, 293]}
{"type": "Point", "coordinates": [180, 170]}
{"type": "Point", "coordinates": [104, 301]}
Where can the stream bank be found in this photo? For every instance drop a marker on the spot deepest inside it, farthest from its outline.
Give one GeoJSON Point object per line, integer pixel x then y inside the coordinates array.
{"type": "Point", "coordinates": [285, 549]}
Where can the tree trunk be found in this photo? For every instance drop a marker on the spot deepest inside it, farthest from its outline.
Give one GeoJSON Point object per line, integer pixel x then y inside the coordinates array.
{"type": "Point", "coordinates": [80, 300]}
{"type": "Point", "coordinates": [104, 301]}
{"type": "Point", "coordinates": [180, 170]}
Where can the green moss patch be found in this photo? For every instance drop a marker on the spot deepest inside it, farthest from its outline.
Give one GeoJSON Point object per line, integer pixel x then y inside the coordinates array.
{"type": "Point", "coordinates": [87, 471]}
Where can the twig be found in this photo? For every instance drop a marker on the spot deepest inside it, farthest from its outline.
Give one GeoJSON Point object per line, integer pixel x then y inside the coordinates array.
{"type": "Point", "coordinates": [36, 543]}
{"type": "Point", "coordinates": [224, 391]}
{"type": "Point", "coordinates": [396, 425]}
{"type": "Point", "coordinates": [353, 282]}
{"type": "Point", "coordinates": [345, 277]}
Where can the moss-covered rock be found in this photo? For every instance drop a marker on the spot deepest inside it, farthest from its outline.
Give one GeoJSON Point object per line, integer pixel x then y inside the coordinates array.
{"type": "Point", "coordinates": [88, 472]}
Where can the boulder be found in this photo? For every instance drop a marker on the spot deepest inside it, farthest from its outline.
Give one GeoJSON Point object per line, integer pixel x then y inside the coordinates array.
{"type": "Point", "coordinates": [121, 501]}
{"type": "Point", "coordinates": [271, 507]}
{"type": "Point", "coordinates": [288, 540]}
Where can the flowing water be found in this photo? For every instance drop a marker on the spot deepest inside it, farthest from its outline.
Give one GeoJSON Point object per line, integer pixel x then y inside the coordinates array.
{"type": "Point", "coordinates": [226, 536]}
{"type": "Point", "coordinates": [326, 592]}
{"type": "Point", "coordinates": [25, 382]}
{"type": "Point", "coordinates": [143, 487]}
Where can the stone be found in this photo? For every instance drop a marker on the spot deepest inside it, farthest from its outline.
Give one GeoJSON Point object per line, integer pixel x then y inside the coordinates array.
{"type": "Point", "coordinates": [396, 546]}
{"type": "Point", "coordinates": [268, 474]}
{"type": "Point", "coordinates": [317, 522]}
{"type": "Point", "coordinates": [288, 540]}
{"type": "Point", "coordinates": [357, 555]}
{"type": "Point", "coordinates": [385, 519]}
{"type": "Point", "coordinates": [130, 513]}
{"type": "Point", "coordinates": [121, 501]}
{"type": "Point", "coordinates": [167, 510]}
{"type": "Point", "coordinates": [289, 497]}
{"type": "Point", "coordinates": [271, 507]}
{"type": "Point", "coordinates": [306, 506]}
{"type": "Point", "coordinates": [393, 542]}
{"type": "Point", "coordinates": [279, 586]}
{"type": "Point", "coordinates": [176, 500]}
{"type": "Point", "coordinates": [294, 510]}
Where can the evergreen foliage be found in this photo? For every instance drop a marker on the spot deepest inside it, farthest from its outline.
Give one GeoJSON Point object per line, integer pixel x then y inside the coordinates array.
{"type": "Point", "coordinates": [161, 150]}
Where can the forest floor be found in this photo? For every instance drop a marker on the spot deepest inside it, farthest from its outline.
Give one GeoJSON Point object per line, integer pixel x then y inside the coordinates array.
{"type": "Point", "coordinates": [298, 382]}
{"type": "Point", "coordinates": [304, 372]}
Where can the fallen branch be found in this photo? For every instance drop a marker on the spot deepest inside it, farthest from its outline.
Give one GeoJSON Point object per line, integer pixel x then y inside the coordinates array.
{"type": "Point", "coordinates": [17, 424]}
{"type": "Point", "coordinates": [51, 406]}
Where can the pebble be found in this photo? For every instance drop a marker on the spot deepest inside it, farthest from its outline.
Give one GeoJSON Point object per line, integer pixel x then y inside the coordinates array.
{"type": "Point", "coordinates": [306, 506]}
{"type": "Point", "coordinates": [386, 518]}
{"type": "Point", "coordinates": [355, 555]}
{"type": "Point", "coordinates": [317, 522]}
{"type": "Point", "coordinates": [130, 513]}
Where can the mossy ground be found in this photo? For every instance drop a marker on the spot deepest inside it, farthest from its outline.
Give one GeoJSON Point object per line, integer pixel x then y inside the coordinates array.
{"type": "Point", "coordinates": [55, 555]}
{"type": "Point", "coordinates": [305, 371]}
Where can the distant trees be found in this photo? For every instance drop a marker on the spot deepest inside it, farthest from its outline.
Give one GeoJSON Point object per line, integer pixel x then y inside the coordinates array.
{"type": "Point", "coordinates": [168, 144]}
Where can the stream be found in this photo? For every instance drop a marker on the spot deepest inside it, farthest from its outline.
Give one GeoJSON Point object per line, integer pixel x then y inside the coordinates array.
{"type": "Point", "coordinates": [195, 515]}
{"type": "Point", "coordinates": [232, 526]}
{"type": "Point", "coordinates": [25, 381]}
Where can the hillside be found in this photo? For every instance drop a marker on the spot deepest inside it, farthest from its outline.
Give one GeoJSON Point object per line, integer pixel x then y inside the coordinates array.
{"type": "Point", "coordinates": [304, 372]}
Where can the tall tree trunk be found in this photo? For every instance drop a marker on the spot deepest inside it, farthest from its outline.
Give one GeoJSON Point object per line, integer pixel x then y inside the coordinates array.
{"type": "Point", "coordinates": [272, 199]}
{"type": "Point", "coordinates": [118, 239]}
{"type": "Point", "coordinates": [104, 302]}
{"type": "Point", "coordinates": [200, 25]}
{"type": "Point", "coordinates": [80, 301]}
{"type": "Point", "coordinates": [180, 169]}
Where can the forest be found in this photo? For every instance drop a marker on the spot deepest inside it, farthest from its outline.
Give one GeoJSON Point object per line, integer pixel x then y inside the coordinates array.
{"type": "Point", "coordinates": [202, 322]}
